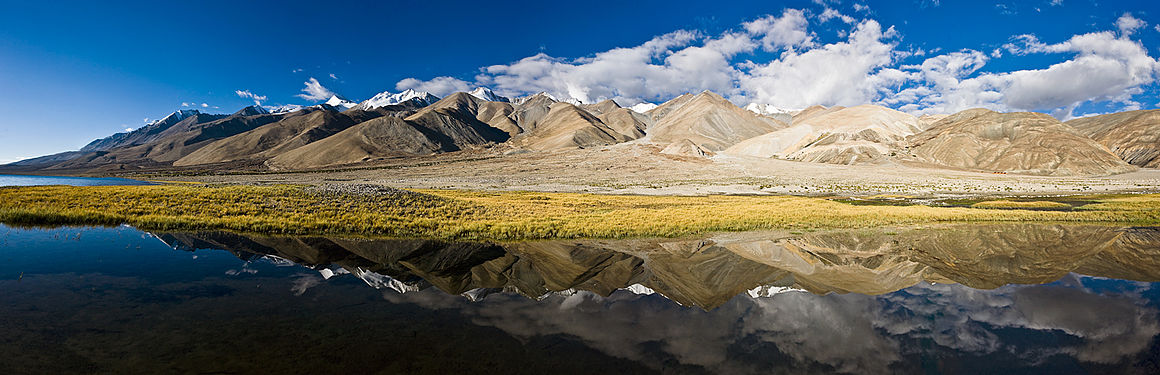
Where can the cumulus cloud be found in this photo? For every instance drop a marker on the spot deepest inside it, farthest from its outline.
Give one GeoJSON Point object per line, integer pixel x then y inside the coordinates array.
{"type": "Point", "coordinates": [788, 30]}
{"type": "Point", "coordinates": [314, 91]}
{"type": "Point", "coordinates": [246, 94]}
{"type": "Point", "coordinates": [851, 72]}
{"type": "Point", "coordinates": [831, 13]}
{"type": "Point", "coordinates": [439, 86]}
{"type": "Point", "coordinates": [1128, 24]}
{"type": "Point", "coordinates": [778, 59]}
{"type": "Point", "coordinates": [1104, 68]}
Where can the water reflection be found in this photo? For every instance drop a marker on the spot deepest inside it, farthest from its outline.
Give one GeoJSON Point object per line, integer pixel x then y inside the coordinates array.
{"type": "Point", "coordinates": [709, 272]}
{"type": "Point", "coordinates": [936, 299]}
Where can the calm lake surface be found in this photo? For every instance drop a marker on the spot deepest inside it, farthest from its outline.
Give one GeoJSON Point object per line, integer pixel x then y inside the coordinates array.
{"type": "Point", "coordinates": [19, 180]}
{"type": "Point", "coordinates": [994, 298]}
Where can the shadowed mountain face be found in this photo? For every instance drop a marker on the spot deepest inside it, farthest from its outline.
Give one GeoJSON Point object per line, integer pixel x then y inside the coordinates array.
{"type": "Point", "coordinates": [709, 272]}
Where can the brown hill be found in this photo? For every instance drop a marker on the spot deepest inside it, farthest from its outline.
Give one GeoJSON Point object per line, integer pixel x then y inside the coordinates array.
{"type": "Point", "coordinates": [455, 118]}
{"type": "Point", "coordinates": [529, 112]}
{"type": "Point", "coordinates": [1025, 142]}
{"type": "Point", "coordinates": [865, 133]}
{"type": "Point", "coordinates": [568, 126]}
{"type": "Point", "coordinates": [626, 121]}
{"type": "Point", "coordinates": [1134, 135]}
{"type": "Point", "coordinates": [663, 110]}
{"type": "Point", "coordinates": [499, 115]}
{"type": "Point", "coordinates": [813, 111]}
{"type": "Point", "coordinates": [174, 142]}
{"type": "Point", "coordinates": [272, 139]}
{"type": "Point", "coordinates": [601, 108]}
{"type": "Point", "coordinates": [379, 138]}
{"type": "Point", "coordinates": [711, 123]}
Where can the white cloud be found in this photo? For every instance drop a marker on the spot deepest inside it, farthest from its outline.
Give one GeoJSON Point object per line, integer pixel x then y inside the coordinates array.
{"type": "Point", "coordinates": [334, 77]}
{"type": "Point", "coordinates": [205, 105]}
{"type": "Point", "coordinates": [439, 86]}
{"type": "Point", "coordinates": [787, 31]}
{"type": "Point", "coordinates": [862, 66]}
{"type": "Point", "coordinates": [1128, 24]}
{"type": "Point", "coordinates": [844, 73]}
{"type": "Point", "coordinates": [314, 91]}
{"type": "Point", "coordinates": [1105, 68]}
{"type": "Point", "coordinates": [246, 94]}
{"type": "Point", "coordinates": [861, 7]}
{"type": "Point", "coordinates": [831, 13]}
{"type": "Point", "coordinates": [668, 65]}
{"type": "Point", "coordinates": [1056, 2]}
{"type": "Point", "coordinates": [185, 104]}
{"type": "Point", "coordinates": [299, 70]}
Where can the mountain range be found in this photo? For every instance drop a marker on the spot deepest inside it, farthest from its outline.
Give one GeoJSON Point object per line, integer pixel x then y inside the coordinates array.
{"type": "Point", "coordinates": [412, 123]}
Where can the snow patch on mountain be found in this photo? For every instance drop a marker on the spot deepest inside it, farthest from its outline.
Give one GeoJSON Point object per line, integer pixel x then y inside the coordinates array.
{"type": "Point", "coordinates": [386, 98]}
{"type": "Point", "coordinates": [486, 94]}
{"type": "Point", "coordinates": [340, 102]}
{"type": "Point", "coordinates": [643, 107]}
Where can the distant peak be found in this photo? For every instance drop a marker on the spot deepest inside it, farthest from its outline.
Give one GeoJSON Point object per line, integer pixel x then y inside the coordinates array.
{"type": "Point", "coordinates": [253, 110]}
{"type": "Point", "coordinates": [488, 95]}
{"type": "Point", "coordinates": [385, 98]}
{"type": "Point", "coordinates": [340, 102]}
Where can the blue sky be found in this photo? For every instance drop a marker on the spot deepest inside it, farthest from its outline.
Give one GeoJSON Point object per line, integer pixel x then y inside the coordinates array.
{"type": "Point", "coordinates": [73, 72]}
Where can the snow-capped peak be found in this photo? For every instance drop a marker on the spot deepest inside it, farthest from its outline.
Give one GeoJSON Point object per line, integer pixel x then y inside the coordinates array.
{"type": "Point", "coordinates": [340, 102]}
{"type": "Point", "coordinates": [486, 94]}
{"type": "Point", "coordinates": [285, 108]}
{"type": "Point", "coordinates": [386, 98]}
{"type": "Point", "coordinates": [253, 110]}
{"type": "Point", "coordinates": [176, 116]}
{"type": "Point", "coordinates": [643, 107]}
{"type": "Point", "coordinates": [768, 109]}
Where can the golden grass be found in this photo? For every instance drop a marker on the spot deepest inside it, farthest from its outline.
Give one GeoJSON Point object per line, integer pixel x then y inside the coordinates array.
{"type": "Point", "coordinates": [495, 215]}
{"type": "Point", "coordinates": [1006, 204]}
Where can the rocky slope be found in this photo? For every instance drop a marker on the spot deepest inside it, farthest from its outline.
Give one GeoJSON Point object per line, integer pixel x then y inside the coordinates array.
{"type": "Point", "coordinates": [865, 133]}
{"type": "Point", "coordinates": [1133, 135]}
{"type": "Point", "coordinates": [708, 121]}
{"type": "Point", "coordinates": [1025, 143]}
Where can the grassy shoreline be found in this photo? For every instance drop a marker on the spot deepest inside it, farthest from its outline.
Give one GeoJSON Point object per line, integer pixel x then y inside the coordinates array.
{"type": "Point", "coordinates": [454, 214]}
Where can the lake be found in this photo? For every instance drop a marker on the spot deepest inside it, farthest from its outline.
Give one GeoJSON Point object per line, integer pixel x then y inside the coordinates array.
{"type": "Point", "coordinates": [21, 180]}
{"type": "Point", "coordinates": [979, 298]}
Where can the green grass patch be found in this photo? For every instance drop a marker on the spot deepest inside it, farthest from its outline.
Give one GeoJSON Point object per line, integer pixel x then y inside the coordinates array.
{"type": "Point", "coordinates": [452, 214]}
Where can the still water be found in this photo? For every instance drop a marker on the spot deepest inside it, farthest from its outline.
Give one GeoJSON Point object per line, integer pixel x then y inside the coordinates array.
{"type": "Point", "coordinates": [19, 180]}
{"type": "Point", "coordinates": [993, 298]}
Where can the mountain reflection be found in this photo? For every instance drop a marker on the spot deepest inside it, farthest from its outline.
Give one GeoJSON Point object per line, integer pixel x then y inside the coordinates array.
{"type": "Point", "coordinates": [709, 272]}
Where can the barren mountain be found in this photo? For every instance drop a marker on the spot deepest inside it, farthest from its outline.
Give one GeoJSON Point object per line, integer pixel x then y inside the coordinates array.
{"type": "Point", "coordinates": [601, 108]}
{"type": "Point", "coordinates": [660, 111]}
{"type": "Point", "coordinates": [626, 121]}
{"type": "Point", "coordinates": [866, 133]}
{"type": "Point", "coordinates": [175, 142]}
{"type": "Point", "coordinates": [499, 115]}
{"type": "Point", "coordinates": [568, 126]}
{"type": "Point", "coordinates": [383, 137]}
{"type": "Point", "coordinates": [1133, 135]}
{"type": "Point", "coordinates": [272, 139]}
{"type": "Point", "coordinates": [814, 110]}
{"type": "Point", "coordinates": [710, 122]}
{"type": "Point", "coordinates": [455, 118]}
{"type": "Point", "coordinates": [1025, 142]}
{"type": "Point", "coordinates": [528, 111]}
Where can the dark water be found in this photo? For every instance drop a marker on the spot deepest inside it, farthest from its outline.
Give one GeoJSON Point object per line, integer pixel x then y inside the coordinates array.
{"type": "Point", "coordinates": [18, 180]}
{"type": "Point", "coordinates": [945, 299]}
